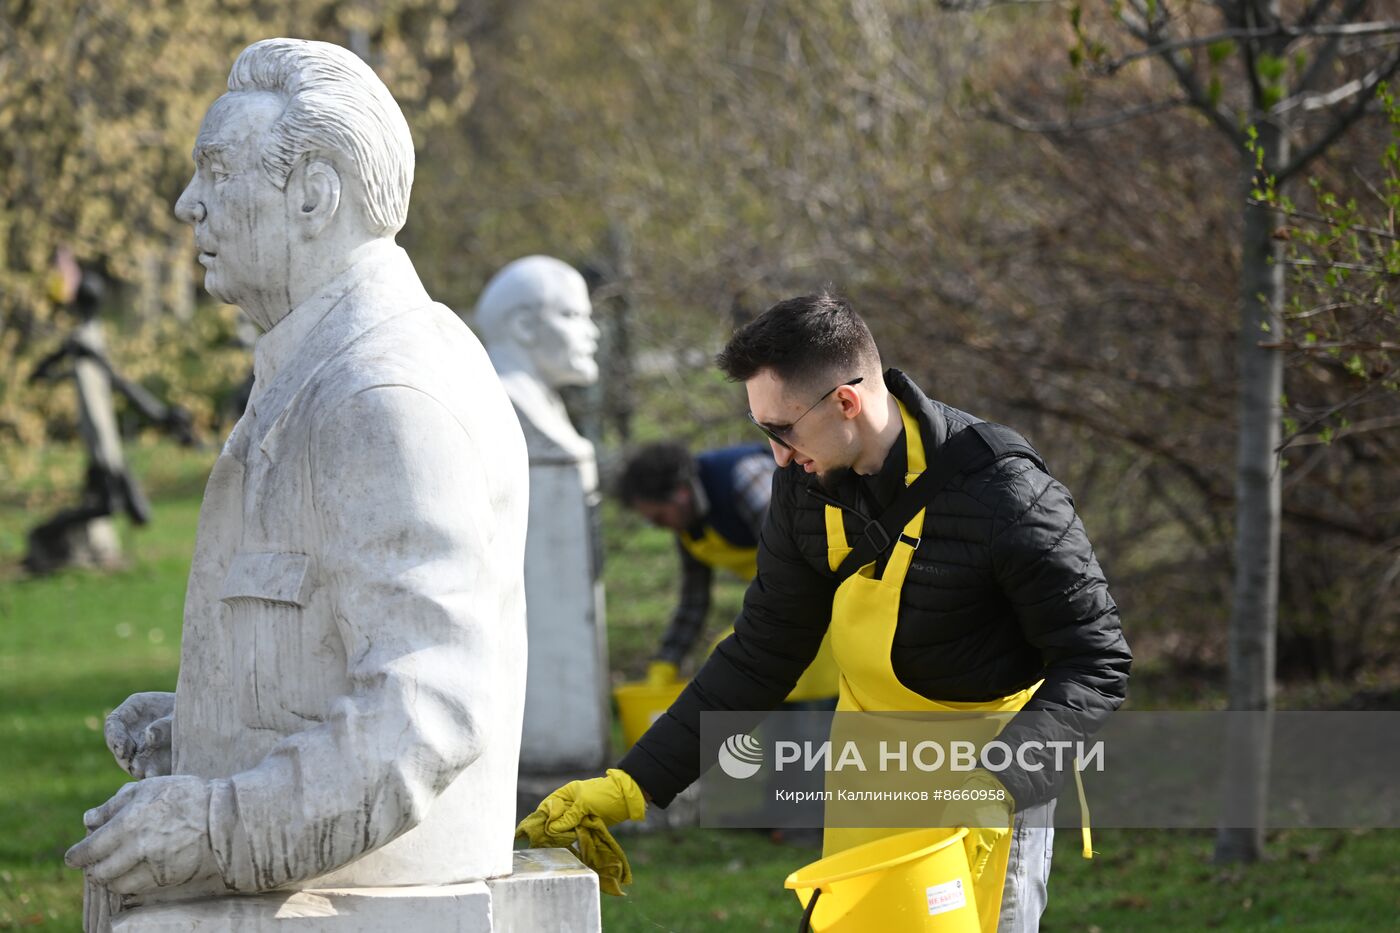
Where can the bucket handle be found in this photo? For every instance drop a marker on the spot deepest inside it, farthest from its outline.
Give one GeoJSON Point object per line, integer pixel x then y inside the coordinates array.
{"type": "Point", "coordinates": [806, 925]}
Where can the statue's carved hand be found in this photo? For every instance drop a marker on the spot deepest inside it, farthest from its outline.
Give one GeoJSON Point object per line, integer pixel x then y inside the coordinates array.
{"type": "Point", "coordinates": [150, 834]}
{"type": "Point", "coordinates": [138, 734]}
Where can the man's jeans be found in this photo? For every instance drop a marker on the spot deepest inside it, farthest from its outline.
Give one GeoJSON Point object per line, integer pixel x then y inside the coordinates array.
{"type": "Point", "coordinates": [1028, 870]}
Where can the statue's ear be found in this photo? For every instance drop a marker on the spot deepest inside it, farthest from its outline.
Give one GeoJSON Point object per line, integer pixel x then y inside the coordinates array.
{"type": "Point", "coordinates": [313, 190]}
{"type": "Point", "coordinates": [523, 325]}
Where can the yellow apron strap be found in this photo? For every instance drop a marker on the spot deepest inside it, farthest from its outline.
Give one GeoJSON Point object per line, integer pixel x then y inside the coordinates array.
{"type": "Point", "coordinates": [836, 546]}
{"type": "Point", "coordinates": [1088, 851]}
{"type": "Point", "coordinates": [913, 444]}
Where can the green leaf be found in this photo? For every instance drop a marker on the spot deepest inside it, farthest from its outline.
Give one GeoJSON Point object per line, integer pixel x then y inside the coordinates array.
{"type": "Point", "coordinates": [1215, 90]}
{"type": "Point", "coordinates": [1270, 68]}
{"type": "Point", "coordinates": [1219, 51]}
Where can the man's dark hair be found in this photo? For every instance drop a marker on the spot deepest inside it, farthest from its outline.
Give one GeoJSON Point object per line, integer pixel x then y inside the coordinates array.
{"type": "Point", "coordinates": [802, 340]}
{"type": "Point", "coordinates": [654, 473]}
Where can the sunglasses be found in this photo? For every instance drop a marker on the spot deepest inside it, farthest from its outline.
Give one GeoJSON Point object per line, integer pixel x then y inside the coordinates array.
{"type": "Point", "coordinates": [779, 435]}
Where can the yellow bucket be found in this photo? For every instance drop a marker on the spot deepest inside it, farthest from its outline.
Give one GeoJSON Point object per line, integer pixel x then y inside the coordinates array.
{"type": "Point", "coordinates": [913, 881]}
{"type": "Point", "coordinates": [639, 704]}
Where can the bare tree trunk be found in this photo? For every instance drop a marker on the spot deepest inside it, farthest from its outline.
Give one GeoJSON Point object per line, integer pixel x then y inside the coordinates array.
{"type": "Point", "coordinates": [620, 393]}
{"type": "Point", "coordinates": [1254, 616]}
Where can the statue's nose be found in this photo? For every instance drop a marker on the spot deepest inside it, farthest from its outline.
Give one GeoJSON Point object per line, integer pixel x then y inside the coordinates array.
{"type": "Point", "coordinates": [189, 208]}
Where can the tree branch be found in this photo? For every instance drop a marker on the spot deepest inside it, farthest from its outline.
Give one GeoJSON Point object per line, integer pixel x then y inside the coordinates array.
{"type": "Point", "coordinates": [970, 6]}
{"type": "Point", "coordinates": [1244, 34]}
{"type": "Point", "coordinates": [1356, 399]}
{"type": "Point", "coordinates": [1213, 492]}
{"type": "Point", "coordinates": [1347, 266]}
{"type": "Point", "coordinates": [1201, 101]}
{"type": "Point", "coordinates": [1328, 53]}
{"type": "Point", "coordinates": [1251, 70]}
{"type": "Point", "coordinates": [1342, 122]}
{"type": "Point", "coordinates": [1332, 97]}
{"type": "Point", "coordinates": [1094, 123]}
{"type": "Point", "coordinates": [1370, 346]}
{"type": "Point", "coordinates": [1323, 218]}
{"type": "Point", "coordinates": [1317, 9]}
{"type": "Point", "coordinates": [1361, 427]}
{"type": "Point", "coordinates": [1150, 33]}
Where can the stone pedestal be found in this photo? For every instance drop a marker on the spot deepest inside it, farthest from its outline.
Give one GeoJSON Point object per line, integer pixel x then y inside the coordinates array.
{"type": "Point", "coordinates": [536, 319]}
{"type": "Point", "coordinates": [549, 890]}
{"type": "Point", "coordinates": [567, 715]}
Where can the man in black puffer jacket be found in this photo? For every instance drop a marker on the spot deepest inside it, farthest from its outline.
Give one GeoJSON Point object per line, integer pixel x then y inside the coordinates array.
{"type": "Point", "coordinates": [1003, 589]}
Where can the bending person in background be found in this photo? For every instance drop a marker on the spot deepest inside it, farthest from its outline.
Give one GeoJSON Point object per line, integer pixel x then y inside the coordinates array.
{"type": "Point", "coordinates": [715, 503]}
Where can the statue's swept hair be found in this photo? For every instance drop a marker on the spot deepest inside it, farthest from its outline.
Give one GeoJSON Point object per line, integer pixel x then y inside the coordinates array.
{"type": "Point", "coordinates": [334, 101]}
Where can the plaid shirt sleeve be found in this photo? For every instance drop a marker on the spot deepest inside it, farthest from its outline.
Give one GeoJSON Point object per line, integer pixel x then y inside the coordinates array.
{"type": "Point", "coordinates": [688, 621]}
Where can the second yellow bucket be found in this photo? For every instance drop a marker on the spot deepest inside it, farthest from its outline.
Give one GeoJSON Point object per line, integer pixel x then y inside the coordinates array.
{"type": "Point", "coordinates": [639, 704]}
{"type": "Point", "coordinates": [915, 881]}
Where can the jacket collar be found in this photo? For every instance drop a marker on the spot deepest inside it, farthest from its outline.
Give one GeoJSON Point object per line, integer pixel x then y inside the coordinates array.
{"type": "Point", "coordinates": [885, 484]}
{"type": "Point", "coordinates": [930, 414]}
{"type": "Point", "coordinates": [381, 286]}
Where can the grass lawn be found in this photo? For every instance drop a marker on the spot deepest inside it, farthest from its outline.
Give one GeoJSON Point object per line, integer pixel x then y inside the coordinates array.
{"type": "Point", "coordinates": [74, 645]}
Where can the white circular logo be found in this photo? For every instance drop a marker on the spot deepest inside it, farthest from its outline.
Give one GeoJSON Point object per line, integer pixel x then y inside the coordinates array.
{"type": "Point", "coordinates": [740, 756]}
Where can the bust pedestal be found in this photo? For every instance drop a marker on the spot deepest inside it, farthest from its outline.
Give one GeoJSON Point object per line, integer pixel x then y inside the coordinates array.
{"type": "Point", "coordinates": [549, 889]}
{"type": "Point", "coordinates": [567, 715]}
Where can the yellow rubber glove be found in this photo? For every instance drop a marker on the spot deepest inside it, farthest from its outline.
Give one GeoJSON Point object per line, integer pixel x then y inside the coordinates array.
{"type": "Point", "coordinates": [988, 821]}
{"type": "Point", "coordinates": [662, 674]}
{"type": "Point", "coordinates": [579, 813]}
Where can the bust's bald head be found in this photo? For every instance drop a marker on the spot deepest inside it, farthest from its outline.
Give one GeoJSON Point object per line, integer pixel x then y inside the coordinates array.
{"type": "Point", "coordinates": [539, 307]}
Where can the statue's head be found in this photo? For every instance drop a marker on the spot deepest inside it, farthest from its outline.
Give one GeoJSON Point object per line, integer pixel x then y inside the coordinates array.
{"type": "Point", "coordinates": [538, 307]}
{"type": "Point", "coordinates": [305, 158]}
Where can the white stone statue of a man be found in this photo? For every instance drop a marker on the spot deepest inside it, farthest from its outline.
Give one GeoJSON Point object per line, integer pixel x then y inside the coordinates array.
{"type": "Point", "coordinates": [352, 669]}
{"type": "Point", "coordinates": [537, 322]}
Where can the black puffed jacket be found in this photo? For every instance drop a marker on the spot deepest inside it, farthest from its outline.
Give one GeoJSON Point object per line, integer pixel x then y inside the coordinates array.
{"type": "Point", "coordinates": [1003, 590]}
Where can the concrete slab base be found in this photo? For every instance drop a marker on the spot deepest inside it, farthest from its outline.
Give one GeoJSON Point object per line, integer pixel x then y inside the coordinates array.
{"type": "Point", "coordinates": [549, 889]}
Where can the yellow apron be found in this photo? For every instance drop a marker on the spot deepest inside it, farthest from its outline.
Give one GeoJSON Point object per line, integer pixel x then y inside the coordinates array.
{"type": "Point", "coordinates": [818, 682]}
{"type": "Point", "coordinates": [864, 615]}
{"type": "Point", "coordinates": [714, 551]}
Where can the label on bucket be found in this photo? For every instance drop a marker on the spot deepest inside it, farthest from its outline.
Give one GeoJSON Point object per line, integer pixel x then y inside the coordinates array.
{"type": "Point", "coordinates": [945, 897]}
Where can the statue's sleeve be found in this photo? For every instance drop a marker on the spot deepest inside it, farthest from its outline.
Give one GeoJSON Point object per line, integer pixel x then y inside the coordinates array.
{"type": "Point", "coordinates": [405, 517]}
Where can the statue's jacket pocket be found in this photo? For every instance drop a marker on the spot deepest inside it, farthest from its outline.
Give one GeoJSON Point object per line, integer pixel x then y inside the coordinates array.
{"type": "Point", "coordinates": [284, 659]}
